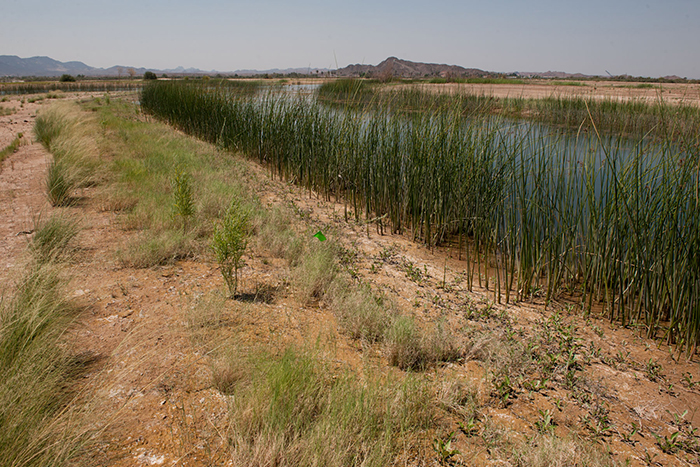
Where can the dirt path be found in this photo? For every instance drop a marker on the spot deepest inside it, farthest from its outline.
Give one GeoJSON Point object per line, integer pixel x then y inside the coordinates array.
{"type": "Point", "coordinates": [22, 177]}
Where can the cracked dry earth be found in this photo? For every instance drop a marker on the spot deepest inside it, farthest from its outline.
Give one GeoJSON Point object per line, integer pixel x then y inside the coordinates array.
{"type": "Point", "coordinates": [151, 399]}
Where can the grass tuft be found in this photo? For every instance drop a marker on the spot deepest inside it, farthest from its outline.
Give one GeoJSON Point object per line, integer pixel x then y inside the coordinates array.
{"type": "Point", "coordinates": [410, 348]}
{"type": "Point", "coordinates": [53, 237]}
{"type": "Point", "coordinates": [35, 426]}
{"type": "Point", "coordinates": [292, 409]}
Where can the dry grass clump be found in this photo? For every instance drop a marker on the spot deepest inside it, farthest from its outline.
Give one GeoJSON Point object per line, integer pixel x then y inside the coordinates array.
{"type": "Point", "coordinates": [551, 451]}
{"type": "Point", "coordinates": [35, 371]}
{"type": "Point", "coordinates": [53, 237]}
{"type": "Point", "coordinates": [410, 348]}
{"type": "Point", "coordinates": [316, 270]}
{"type": "Point", "coordinates": [361, 313]}
{"type": "Point", "coordinates": [66, 133]}
{"type": "Point", "coordinates": [292, 409]}
{"type": "Point", "coordinates": [460, 398]}
{"type": "Point", "coordinates": [157, 249]}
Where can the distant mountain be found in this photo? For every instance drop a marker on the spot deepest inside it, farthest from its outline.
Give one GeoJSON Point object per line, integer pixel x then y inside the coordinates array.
{"type": "Point", "coordinates": [393, 66]}
{"type": "Point", "coordinates": [11, 65]}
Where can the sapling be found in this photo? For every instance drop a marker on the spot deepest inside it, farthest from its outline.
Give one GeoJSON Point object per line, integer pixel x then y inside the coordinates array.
{"type": "Point", "coordinates": [229, 243]}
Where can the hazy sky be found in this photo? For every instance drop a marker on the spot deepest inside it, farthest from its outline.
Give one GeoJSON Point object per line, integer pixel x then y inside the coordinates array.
{"type": "Point", "coordinates": [641, 38]}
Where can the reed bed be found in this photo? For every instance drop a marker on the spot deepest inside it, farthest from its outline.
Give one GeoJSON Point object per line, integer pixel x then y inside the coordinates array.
{"type": "Point", "coordinates": [79, 86]}
{"type": "Point", "coordinates": [531, 210]}
{"type": "Point", "coordinates": [631, 118]}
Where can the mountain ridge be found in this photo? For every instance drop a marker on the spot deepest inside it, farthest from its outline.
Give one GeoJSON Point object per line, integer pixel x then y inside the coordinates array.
{"type": "Point", "coordinates": [14, 66]}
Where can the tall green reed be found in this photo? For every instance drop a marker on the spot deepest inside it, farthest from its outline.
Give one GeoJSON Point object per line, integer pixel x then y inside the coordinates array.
{"type": "Point", "coordinates": [531, 210]}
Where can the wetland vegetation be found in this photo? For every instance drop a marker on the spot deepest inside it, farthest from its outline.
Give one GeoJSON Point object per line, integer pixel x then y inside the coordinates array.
{"type": "Point", "coordinates": [603, 217]}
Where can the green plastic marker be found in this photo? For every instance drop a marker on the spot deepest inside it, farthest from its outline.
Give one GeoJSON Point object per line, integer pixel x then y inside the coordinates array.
{"type": "Point", "coordinates": [320, 236]}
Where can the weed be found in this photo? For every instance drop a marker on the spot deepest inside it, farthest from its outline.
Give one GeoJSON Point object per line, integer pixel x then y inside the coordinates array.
{"type": "Point", "coordinates": [469, 427]}
{"type": "Point", "coordinates": [443, 448]}
{"type": "Point", "coordinates": [668, 444]}
{"type": "Point", "coordinates": [546, 422]}
{"type": "Point", "coordinates": [653, 370]}
{"type": "Point", "coordinates": [503, 390]}
{"type": "Point", "coordinates": [412, 272]}
{"type": "Point", "coordinates": [627, 435]}
{"type": "Point", "coordinates": [687, 380]}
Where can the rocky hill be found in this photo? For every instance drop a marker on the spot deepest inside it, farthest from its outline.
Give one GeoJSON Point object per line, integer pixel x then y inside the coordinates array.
{"type": "Point", "coordinates": [396, 67]}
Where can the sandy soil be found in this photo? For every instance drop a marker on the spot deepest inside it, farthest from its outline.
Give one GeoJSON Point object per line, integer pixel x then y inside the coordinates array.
{"type": "Point", "coordinates": [153, 402]}
{"type": "Point", "coordinates": [22, 195]}
{"type": "Point", "coordinates": [673, 93]}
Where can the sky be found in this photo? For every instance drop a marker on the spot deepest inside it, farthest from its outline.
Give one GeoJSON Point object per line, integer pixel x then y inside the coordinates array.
{"type": "Point", "coordinates": [636, 37]}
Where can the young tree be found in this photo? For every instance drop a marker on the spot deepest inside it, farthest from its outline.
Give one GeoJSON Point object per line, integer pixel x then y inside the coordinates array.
{"type": "Point", "coordinates": [229, 242]}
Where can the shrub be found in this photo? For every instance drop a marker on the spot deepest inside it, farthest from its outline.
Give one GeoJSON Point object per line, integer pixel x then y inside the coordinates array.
{"type": "Point", "coordinates": [149, 75]}
{"type": "Point", "coordinates": [183, 199]}
{"type": "Point", "coordinates": [67, 79]}
{"type": "Point", "coordinates": [229, 243]}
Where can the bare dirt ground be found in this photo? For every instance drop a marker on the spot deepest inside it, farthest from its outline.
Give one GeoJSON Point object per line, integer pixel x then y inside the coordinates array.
{"type": "Point", "coordinates": [153, 402]}
{"type": "Point", "coordinates": [21, 183]}
{"type": "Point", "coordinates": [673, 93]}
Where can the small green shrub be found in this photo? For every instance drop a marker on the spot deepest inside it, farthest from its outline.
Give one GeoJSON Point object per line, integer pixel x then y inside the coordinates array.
{"type": "Point", "coordinates": [67, 78]}
{"type": "Point", "coordinates": [229, 242]}
{"type": "Point", "coordinates": [149, 75]}
{"type": "Point", "coordinates": [183, 197]}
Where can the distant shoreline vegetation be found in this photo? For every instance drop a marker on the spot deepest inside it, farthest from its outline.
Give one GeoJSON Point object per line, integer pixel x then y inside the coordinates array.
{"type": "Point", "coordinates": [630, 118]}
